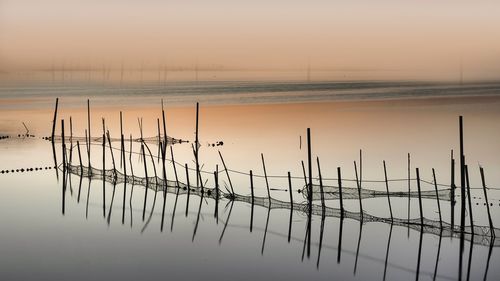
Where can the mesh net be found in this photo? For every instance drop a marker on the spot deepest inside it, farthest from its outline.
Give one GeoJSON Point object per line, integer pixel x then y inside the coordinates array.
{"type": "Point", "coordinates": [333, 192]}
{"type": "Point", "coordinates": [478, 234]}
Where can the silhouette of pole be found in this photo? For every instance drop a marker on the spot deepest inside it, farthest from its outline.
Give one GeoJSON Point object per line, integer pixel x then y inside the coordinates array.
{"type": "Point", "coordinates": [420, 199]}
{"type": "Point", "coordinates": [227, 174]}
{"type": "Point", "coordinates": [469, 198]}
{"type": "Point", "coordinates": [339, 176]}
{"type": "Point", "coordinates": [437, 198]}
{"type": "Point", "coordinates": [55, 120]}
{"type": "Point", "coordinates": [387, 189]}
{"type": "Point", "coordinates": [359, 190]}
{"type": "Point", "coordinates": [290, 190]}
{"type": "Point", "coordinates": [265, 176]}
{"type": "Point", "coordinates": [492, 229]}
{"type": "Point", "coordinates": [453, 187]}
{"type": "Point", "coordinates": [88, 123]}
{"type": "Point", "coordinates": [462, 172]}
{"type": "Point", "coordinates": [197, 145]}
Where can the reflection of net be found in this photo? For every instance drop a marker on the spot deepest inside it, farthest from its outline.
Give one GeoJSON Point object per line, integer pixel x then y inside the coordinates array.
{"type": "Point", "coordinates": [482, 234]}
{"type": "Point", "coordinates": [154, 183]}
{"type": "Point", "coordinates": [332, 192]}
{"type": "Point", "coordinates": [152, 140]}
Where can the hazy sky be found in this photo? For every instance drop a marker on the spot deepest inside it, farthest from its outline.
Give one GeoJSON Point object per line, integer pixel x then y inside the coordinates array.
{"type": "Point", "coordinates": [417, 35]}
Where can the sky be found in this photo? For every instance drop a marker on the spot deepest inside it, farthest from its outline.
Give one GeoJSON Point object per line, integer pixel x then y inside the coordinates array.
{"type": "Point", "coordinates": [417, 36]}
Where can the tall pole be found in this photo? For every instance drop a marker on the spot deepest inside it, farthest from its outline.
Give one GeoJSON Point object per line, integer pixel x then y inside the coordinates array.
{"type": "Point", "coordinates": [197, 147]}
{"type": "Point", "coordinates": [462, 172]}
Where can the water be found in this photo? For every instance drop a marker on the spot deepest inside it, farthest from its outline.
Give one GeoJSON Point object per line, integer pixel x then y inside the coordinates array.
{"type": "Point", "coordinates": [95, 230]}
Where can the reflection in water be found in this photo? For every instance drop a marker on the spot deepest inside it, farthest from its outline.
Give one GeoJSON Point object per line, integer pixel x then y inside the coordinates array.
{"type": "Point", "coordinates": [476, 235]}
{"type": "Point", "coordinates": [426, 226]}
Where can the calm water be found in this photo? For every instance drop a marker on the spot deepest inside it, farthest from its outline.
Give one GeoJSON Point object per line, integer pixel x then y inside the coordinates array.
{"type": "Point", "coordinates": [96, 230]}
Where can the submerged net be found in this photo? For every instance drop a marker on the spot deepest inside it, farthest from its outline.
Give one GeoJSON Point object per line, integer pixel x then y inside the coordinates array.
{"type": "Point", "coordinates": [151, 140]}
{"type": "Point", "coordinates": [333, 192]}
{"type": "Point", "coordinates": [477, 234]}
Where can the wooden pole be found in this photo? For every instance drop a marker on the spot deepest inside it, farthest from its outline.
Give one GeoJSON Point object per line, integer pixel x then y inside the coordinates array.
{"type": "Point", "coordinates": [359, 191]}
{"type": "Point", "coordinates": [216, 178]}
{"type": "Point", "coordinates": [164, 129]}
{"type": "Point", "coordinates": [147, 182]}
{"type": "Point", "coordinates": [112, 154]}
{"type": "Point", "coordinates": [55, 120]}
{"type": "Point", "coordinates": [339, 176]}
{"type": "Point", "coordinates": [251, 185]}
{"type": "Point", "coordinates": [251, 189]}
{"type": "Point", "coordinates": [159, 138]}
{"type": "Point", "coordinates": [123, 156]}
{"type": "Point", "coordinates": [304, 173]}
{"type": "Point", "coordinates": [492, 229]}
{"type": "Point", "coordinates": [265, 176]}
{"type": "Point", "coordinates": [291, 207]}
{"type": "Point", "coordinates": [409, 187]}
{"type": "Point", "coordinates": [290, 190]}
{"type": "Point", "coordinates": [197, 145]}
{"type": "Point", "coordinates": [71, 140]}
{"type": "Point", "coordinates": [227, 174]}
{"type": "Point", "coordinates": [130, 158]}
{"type": "Point", "coordinates": [420, 199]}
{"type": "Point", "coordinates": [122, 159]}
{"type": "Point", "coordinates": [469, 198]}
{"type": "Point", "coordinates": [387, 190]}
{"type": "Point", "coordinates": [103, 150]}
{"type": "Point", "coordinates": [63, 146]}
{"type": "Point", "coordinates": [453, 187]}
{"type": "Point", "coordinates": [321, 187]}
{"type": "Point", "coordinates": [309, 164]}
{"type": "Point", "coordinates": [437, 198]}
{"type": "Point", "coordinates": [175, 169]}
{"type": "Point", "coordinates": [462, 171]}
{"type": "Point", "coordinates": [188, 188]}
{"type": "Point", "coordinates": [88, 122]}
{"type": "Point", "coordinates": [80, 158]}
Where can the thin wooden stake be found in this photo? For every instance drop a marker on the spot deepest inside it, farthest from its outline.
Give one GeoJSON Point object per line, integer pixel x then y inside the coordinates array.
{"type": "Point", "coordinates": [359, 191]}
{"type": "Point", "coordinates": [227, 174]}
{"type": "Point", "coordinates": [122, 159]}
{"type": "Point", "coordinates": [147, 182]}
{"type": "Point", "coordinates": [387, 190]}
{"type": "Point", "coordinates": [159, 138]}
{"type": "Point", "coordinates": [197, 145]}
{"type": "Point", "coordinates": [492, 229]}
{"type": "Point", "coordinates": [251, 185]}
{"type": "Point", "coordinates": [339, 176]}
{"type": "Point", "coordinates": [63, 146]}
{"type": "Point", "coordinates": [88, 122]}
{"type": "Point", "coordinates": [55, 120]}
{"type": "Point", "coordinates": [130, 159]}
{"type": "Point", "coordinates": [453, 187]}
{"type": "Point", "coordinates": [290, 190]}
{"type": "Point", "coordinates": [80, 158]}
{"type": "Point", "coordinates": [71, 140]}
{"type": "Point", "coordinates": [321, 188]}
{"type": "Point", "coordinates": [112, 154]}
{"type": "Point", "coordinates": [175, 169]}
{"type": "Point", "coordinates": [469, 198]}
{"type": "Point", "coordinates": [188, 188]}
{"type": "Point", "coordinates": [437, 198]}
{"type": "Point", "coordinates": [462, 171]}
{"type": "Point", "coordinates": [420, 199]}
{"type": "Point", "coordinates": [309, 164]}
{"type": "Point", "coordinates": [265, 176]}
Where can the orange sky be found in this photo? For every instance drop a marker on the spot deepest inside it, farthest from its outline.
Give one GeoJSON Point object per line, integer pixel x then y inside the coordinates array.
{"type": "Point", "coordinates": [424, 37]}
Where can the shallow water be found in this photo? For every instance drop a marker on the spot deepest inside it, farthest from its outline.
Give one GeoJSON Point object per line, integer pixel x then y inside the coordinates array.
{"type": "Point", "coordinates": [90, 230]}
